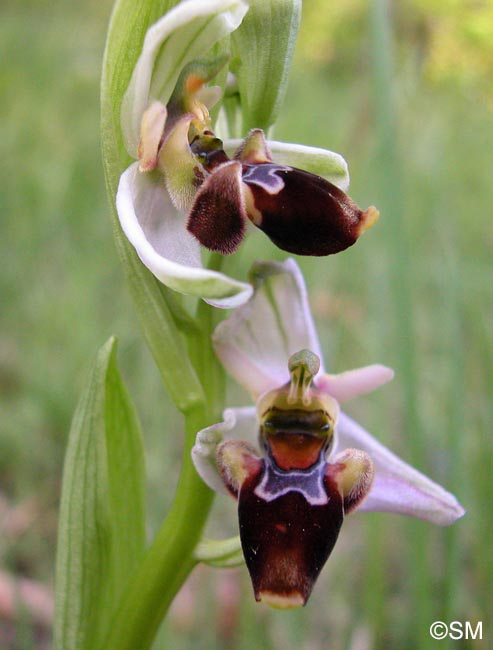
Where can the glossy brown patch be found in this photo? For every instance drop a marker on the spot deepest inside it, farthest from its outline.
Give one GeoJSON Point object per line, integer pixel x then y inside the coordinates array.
{"type": "Point", "coordinates": [313, 420]}
{"type": "Point", "coordinates": [218, 214]}
{"type": "Point", "coordinates": [287, 541]}
{"type": "Point", "coordinates": [308, 216]}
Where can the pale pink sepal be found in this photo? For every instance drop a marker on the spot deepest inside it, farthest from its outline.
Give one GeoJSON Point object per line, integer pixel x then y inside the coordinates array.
{"type": "Point", "coordinates": [238, 423]}
{"type": "Point", "coordinates": [255, 342]}
{"type": "Point", "coordinates": [346, 385]}
{"type": "Point", "coordinates": [398, 487]}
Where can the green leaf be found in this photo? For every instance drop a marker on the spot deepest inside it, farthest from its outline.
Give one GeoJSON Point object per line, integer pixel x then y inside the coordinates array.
{"type": "Point", "coordinates": [263, 47]}
{"type": "Point", "coordinates": [127, 30]}
{"type": "Point", "coordinates": [224, 553]}
{"type": "Point", "coordinates": [102, 523]}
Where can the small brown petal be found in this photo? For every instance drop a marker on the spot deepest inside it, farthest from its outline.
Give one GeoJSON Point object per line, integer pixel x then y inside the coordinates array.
{"type": "Point", "coordinates": [218, 215]}
{"type": "Point", "coordinates": [353, 472]}
{"type": "Point", "coordinates": [254, 149]}
{"type": "Point", "coordinates": [236, 461]}
{"type": "Point", "coordinates": [151, 133]}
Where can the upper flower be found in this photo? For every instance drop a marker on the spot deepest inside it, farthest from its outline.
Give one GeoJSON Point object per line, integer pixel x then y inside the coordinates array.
{"type": "Point", "coordinates": [188, 187]}
{"type": "Point", "coordinates": [314, 464]}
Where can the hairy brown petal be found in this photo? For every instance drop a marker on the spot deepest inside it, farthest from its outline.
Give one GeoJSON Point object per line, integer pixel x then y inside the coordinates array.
{"type": "Point", "coordinates": [236, 460]}
{"type": "Point", "coordinates": [218, 215]}
{"type": "Point", "coordinates": [254, 149]}
{"type": "Point", "coordinates": [352, 472]}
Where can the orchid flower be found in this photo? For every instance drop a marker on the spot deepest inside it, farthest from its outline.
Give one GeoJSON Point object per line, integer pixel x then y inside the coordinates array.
{"type": "Point", "coordinates": [188, 188]}
{"type": "Point", "coordinates": [314, 464]}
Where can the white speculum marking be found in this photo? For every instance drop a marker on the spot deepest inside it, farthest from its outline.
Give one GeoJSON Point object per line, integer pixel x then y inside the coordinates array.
{"type": "Point", "coordinates": [264, 175]}
{"type": "Point", "coordinates": [309, 482]}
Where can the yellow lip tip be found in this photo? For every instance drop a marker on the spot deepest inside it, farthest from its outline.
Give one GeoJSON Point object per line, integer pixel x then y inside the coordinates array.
{"type": "Point", "coordinates": [281, 601]}
{"type": "Point", "coordinates": [368, 218]}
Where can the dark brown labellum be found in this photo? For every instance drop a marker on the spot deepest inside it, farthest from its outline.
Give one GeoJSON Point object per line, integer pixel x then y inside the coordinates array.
{"type": "Point", "coordinates": [300, 212]}
{"type": "Point", "coordinates": [287, 541]}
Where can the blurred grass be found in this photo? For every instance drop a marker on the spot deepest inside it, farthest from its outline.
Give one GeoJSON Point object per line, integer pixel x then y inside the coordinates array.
{"type": "Point", "coordinates": [62, 294]}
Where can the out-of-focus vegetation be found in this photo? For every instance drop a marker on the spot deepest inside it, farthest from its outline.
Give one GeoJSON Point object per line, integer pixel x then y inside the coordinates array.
{"type": "Point", "coordinates": [414, 293]}
{"type": "Point", "coordinates": [451, 39]}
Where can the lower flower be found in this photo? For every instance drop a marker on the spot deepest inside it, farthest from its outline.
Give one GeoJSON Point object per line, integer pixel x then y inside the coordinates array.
{"type": "Point", "coordinates": [313, 464]}
{"type": "Point", "coordinates": [292, 500]}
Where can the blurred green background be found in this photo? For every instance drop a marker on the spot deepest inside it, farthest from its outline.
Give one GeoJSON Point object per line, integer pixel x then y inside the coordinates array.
{"type": "Point", "coordinates": [406, 97]}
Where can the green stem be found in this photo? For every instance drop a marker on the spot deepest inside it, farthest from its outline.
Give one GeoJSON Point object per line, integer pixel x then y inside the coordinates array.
{"type": "Point", "coordinates": [169, 559]}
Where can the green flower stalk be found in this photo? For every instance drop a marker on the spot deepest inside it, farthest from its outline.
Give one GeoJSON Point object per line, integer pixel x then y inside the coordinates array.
{"type": "Point", "coordinates": [145, 90]}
